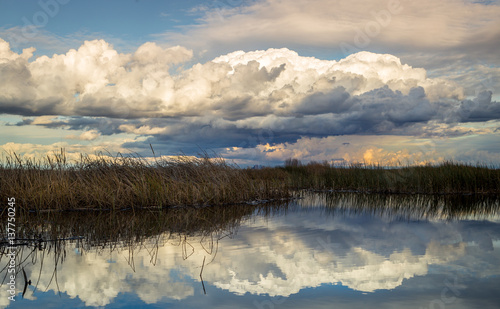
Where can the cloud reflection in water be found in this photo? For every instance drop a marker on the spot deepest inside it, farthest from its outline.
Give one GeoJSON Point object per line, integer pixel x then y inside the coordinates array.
{"type": "Point", "coordinates": [361, 243]}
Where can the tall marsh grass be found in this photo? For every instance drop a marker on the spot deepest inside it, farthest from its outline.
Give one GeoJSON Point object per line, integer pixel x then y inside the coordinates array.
{"type": "Point", "coordinates": [104, 182]}
{"type": "Point", "coordinates": [445, 178]}
{"type": "Point", "coordinates": [118, 182]}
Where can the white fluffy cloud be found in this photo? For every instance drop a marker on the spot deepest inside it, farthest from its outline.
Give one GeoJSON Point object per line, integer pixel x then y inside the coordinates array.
{"type": "Point", "coordinates": [96, 80]}
{"type": "Point", "coordinates": [357, 73]}
{"type": "Point", "coordinates": [450, 37]}
{"type": "Point", "coordinates": [242, 99]}
{"type": "Point", "coordinates": [85, 136]}
{"type": "Point", "coordinates": [93, 80]}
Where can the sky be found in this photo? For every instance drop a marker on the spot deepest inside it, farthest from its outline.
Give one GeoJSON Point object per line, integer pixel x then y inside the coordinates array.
{"type": "Point", "coordinates": [385, 82]}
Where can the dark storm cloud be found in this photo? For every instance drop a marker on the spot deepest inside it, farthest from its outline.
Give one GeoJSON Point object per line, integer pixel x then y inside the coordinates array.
{"type": "Point", "coordinates": [481, 108]}
{"type": "Point", "coordinates": [380, 111]}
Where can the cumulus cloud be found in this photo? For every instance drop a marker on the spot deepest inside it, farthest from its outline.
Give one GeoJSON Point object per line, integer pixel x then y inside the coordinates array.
{"type": "Point", "coordinates": [474, 74]}
{"type": "Point", "coordinates": [449, 37]}
{"type": "Point", "coordinates": [357, 73]}
{"type": "Point", "coordinates": [96, 80]}
{"type": "Point", "coordinates": [242, 99]}
{"type": "Point", "coordinates": [93, 80]}
{"type": "Point", "coordinates": [85, 136]}
{"type": "Point", "coordinates": [480, 108]}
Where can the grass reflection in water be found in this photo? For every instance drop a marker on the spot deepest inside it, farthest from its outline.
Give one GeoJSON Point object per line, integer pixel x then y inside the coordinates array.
{"type": "Point", "coordinates": [45, 239]}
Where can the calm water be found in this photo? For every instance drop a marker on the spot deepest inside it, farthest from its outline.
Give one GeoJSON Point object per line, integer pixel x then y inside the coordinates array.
{"type": "Point", "coordinates": [323, 251]}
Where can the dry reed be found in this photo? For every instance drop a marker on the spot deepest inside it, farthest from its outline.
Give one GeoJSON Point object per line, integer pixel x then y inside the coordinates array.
{"type": "Point", "coordinates": [118, 182]}
{"type": "Point", "coordinates": [445, 178]}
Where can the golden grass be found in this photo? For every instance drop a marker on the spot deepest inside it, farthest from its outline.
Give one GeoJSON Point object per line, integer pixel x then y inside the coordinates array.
{"type": "Point", "coordinates": [119, 182]}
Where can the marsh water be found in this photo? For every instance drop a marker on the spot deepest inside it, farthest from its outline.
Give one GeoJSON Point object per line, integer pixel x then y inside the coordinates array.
{"type": "Point", "coordinates": [324, 250]}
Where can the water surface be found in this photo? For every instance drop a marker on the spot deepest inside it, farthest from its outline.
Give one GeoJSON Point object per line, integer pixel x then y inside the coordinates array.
{"type": "Point", "coordinates": [323, 251]}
